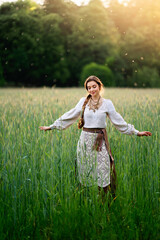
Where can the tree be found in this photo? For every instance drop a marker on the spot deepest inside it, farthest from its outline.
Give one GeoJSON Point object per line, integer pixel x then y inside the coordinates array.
{"type": "Point", "coordinates": [2, 81]}
{"type": "Point", "coordinates": [32, 47]}
{"type": "Point", "coordinates": [102, 72]}
{"type": "Point", "coordinates": [94, 37]}
{"type": "Point", "coordinates": [145, 77]}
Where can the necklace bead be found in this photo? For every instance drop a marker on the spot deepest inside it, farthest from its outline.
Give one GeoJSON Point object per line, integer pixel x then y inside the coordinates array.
{"type": "Point", "coordinates": [94, 105]}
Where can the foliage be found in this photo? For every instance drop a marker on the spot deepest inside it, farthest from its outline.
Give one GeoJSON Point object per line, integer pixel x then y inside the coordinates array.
{"type": "Point", "coordinates": [93, 38]}
{"type": "Point", "coordinates": [101, 71]}
{"type": "Point", "coordinates": [116, 64]}
{"type": "Point", "coordinates": [32, 48]}
{"type": "Point", "coordinates": [51, 44]}
{"type": "Point", "coordinates": [2, 81]}
{"type": "Point", "coordinates": [145, 77]}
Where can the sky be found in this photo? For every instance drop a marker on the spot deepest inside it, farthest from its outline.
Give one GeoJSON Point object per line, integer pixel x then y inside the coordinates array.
{"type": "Point", "coordinates": [78, 2]}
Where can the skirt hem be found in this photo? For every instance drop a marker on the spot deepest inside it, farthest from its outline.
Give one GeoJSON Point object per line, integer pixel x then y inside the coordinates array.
{"type": "Point", "coordinates": [97, 185]}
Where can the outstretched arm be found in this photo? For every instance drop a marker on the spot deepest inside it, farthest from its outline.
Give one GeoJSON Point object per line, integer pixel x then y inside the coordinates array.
{"type": "Point", "coordinates": [120, 123]}
{"type": "Point", "coordinates": [66, 119]}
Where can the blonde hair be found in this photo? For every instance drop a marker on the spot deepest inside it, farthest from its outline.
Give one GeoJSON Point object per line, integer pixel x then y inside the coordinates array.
{"type": "Point", "coordinates": [93, 78]}
{"type": "Point", "coordinates": [89, 79]}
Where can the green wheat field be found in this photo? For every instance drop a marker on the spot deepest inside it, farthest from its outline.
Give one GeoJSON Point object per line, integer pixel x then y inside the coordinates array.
{"type": "Point", "coordinates": [40, 197]}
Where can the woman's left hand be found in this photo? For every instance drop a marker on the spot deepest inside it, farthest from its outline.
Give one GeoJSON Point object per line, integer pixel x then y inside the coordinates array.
{"type": "Point", "coordinates": [145, 133]}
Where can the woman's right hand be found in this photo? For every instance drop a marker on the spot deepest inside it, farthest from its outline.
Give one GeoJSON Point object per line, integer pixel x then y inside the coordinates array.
{"type": "Point", "coordinates": [45, 128]}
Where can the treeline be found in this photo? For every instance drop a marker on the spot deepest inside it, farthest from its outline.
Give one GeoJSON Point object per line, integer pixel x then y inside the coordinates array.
{"type": "Point", "coordinates": [61, 43]}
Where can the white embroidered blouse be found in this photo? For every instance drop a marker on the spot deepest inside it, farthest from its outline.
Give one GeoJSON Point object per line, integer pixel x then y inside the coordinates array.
{"type": "Point", "coordinates": [95, 119]}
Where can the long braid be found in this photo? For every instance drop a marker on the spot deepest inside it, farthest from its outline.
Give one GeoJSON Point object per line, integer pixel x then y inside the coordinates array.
{"type": "Point", "coordinates": [81, 121]}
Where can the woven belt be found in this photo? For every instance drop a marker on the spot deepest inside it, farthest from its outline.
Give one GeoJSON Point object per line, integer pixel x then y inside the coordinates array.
{"type": "Point", "coordinates": [93, 130]}
{"type": "Point", "coordinates": [102, 135]}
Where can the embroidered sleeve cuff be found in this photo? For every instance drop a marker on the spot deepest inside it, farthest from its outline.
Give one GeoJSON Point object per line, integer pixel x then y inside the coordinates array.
{"type": "Point", "coordinates": [136, 132]}
{"type": "Point", "coordinates": [52, 127]}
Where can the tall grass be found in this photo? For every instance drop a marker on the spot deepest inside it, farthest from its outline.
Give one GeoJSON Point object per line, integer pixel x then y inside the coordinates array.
{"type": "Point", "coordinates": [40, 197]}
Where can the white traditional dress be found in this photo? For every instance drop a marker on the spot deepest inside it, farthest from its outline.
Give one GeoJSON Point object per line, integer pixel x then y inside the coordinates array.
{"type": "Point", "coordinates": [93, 167]}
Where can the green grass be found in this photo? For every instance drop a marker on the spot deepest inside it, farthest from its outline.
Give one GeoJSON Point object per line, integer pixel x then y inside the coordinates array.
{"type": "Point", "coordinates": [39, 194]}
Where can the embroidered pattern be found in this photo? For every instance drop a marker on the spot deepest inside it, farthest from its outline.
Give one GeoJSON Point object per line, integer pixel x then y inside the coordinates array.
{"type": "Point", "coordinates": [93, 167]}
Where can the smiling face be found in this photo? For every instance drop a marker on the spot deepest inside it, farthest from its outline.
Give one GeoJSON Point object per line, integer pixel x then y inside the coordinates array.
{"type": "Point", "coordinates": [93, 89]}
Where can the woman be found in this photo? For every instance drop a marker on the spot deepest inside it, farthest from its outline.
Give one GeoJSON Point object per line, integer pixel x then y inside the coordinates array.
{"type": "Point", "coordinates": [93, 153]}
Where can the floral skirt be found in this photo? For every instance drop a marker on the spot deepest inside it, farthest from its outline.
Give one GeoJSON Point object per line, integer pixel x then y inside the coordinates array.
{"type": "Point", "coordinates": [93, 167]}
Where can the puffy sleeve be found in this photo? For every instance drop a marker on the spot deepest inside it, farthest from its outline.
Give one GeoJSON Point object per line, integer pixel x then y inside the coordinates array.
{"type": "Point", "coordinates": [68, 118]}
{"type": "Point", "coordinates": [118, 121]}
